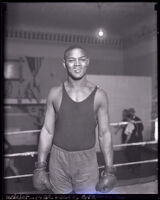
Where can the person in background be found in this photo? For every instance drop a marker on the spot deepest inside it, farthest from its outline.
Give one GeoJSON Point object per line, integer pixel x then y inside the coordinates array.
{"type": "Point", "coordinates": [125, 119]}
{"type": "Point", "coordinates": [133, 132]}
{"type": "Point", "coordinates": [122, 126]}
{"type": "Point", "coordinates": [138, 123]}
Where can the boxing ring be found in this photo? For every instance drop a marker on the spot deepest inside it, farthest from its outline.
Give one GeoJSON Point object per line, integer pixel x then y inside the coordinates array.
{"type": "Point", "coordinates": [138, 187]}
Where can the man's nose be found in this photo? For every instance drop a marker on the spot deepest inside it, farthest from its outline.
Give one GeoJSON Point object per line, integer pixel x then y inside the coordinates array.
{"type": "Point", "coordinates": [77, 62]}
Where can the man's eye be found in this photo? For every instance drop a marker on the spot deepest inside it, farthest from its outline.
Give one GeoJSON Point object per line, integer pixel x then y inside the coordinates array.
{"type": "Point", "coordinates": [83, 59]}
{"type": "Point", "coordinates": [70, 60]}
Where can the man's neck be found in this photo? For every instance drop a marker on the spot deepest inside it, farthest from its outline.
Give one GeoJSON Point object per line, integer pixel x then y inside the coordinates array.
{"type": "Point", "coordinates": [77, 83]}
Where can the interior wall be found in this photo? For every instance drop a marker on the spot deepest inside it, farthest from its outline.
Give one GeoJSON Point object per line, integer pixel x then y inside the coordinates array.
{"type": "Point", "coordinates": [141, 58]}
{"type": "Point", "coordinates": [50, 74]}
{"type": "Point", "coordinates": [138, 59]}
{"type": "Point", "coordinates": [102, 61]}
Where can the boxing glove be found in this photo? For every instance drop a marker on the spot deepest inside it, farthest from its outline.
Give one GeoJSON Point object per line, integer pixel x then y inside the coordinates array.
{"type": "Point", "coordinates": [40, 177]}
{"type": "Point", "coordinates": [107, 180]}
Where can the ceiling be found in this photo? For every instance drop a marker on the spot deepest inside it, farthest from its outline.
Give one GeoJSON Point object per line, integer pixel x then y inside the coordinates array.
{"type": "Point", "coordinates": [80, 16]}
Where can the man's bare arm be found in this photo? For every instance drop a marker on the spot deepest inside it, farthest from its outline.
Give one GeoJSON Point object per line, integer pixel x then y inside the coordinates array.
{"type": "Point", "coordinates": [107, 179]}
{"type": "Point", "coordinates": [105, 138]}
{"type": "Point", "coordinates": [47, 131]}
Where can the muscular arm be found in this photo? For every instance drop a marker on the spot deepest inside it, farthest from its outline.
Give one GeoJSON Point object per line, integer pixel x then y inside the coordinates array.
{"type": "Point", "coordinates": [47, 131]}
{"type": "Point", "coordinates": [104, 134]}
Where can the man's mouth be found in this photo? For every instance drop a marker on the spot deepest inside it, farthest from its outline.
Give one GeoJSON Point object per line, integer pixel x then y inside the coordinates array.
{"type": "Point", "coordinates": [77, 70]}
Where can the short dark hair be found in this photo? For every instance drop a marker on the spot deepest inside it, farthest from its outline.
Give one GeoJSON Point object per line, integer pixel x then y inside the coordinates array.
{"type": "Point", "coordinates": [71, 48]}
{"type": "Point", "coordinates": [132, 111]}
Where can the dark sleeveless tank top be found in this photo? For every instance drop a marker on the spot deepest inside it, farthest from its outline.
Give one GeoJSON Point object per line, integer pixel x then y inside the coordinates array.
{"type": "Point", "coordinates": [75, 123]}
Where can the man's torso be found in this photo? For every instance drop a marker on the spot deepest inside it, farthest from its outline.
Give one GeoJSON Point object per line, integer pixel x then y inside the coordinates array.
{"type": "Point", "coordinates": [76, 96]}
{"type": "Point", "coordinates": [75, 123]}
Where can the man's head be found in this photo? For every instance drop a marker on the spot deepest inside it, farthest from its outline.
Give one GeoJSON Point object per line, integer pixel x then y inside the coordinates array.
{"type": "Point", "coordinates": [127, 116]}
{"type": "Point", "coordinates": [70, 48]}
{"type": "Point", "coordinates": [132, 111]}
{"type": "Point", "coordinates": [76, 62]}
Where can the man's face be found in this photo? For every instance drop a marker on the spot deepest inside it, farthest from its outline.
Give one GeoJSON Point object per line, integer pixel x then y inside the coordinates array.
{"type": "Point", "coordinates": [76, 63]}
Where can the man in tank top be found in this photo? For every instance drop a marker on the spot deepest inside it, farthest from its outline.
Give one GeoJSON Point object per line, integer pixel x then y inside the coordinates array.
{"type": "Point", "coordinates": [74, 109]}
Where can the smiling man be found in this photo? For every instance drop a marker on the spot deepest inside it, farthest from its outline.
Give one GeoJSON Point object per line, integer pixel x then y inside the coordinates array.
{"type": "Point", "coordinates": [74, 109]}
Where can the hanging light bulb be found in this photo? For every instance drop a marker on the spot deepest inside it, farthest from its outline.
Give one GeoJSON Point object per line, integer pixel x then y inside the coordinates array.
{"type": "Point", "coordinates": [100, 33]}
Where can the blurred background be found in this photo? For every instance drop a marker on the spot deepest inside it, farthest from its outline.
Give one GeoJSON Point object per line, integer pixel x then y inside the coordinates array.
{"type": "Point", "coordinates": [121, 40]}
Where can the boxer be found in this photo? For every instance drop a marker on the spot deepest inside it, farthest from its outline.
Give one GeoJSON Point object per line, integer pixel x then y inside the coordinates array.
{"type": "Point", "coordinates": [74, 109]}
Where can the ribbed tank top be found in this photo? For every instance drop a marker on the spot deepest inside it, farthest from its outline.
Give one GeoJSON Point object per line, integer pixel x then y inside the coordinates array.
{"type": "Point", "coordinates": [75, 123]}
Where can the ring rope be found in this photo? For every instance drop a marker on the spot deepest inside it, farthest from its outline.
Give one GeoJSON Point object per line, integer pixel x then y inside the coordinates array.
{"type": "Point", "coordinates": [22, 132]}
{"type": "Point", "coordinates": [125, 123]}
{"type": "Point", "coordinates": [18, 176]}
{"type": "Point", "coordinates": [135, 144]}
{"type": "Point", "coordinates": [115, 165]}
{"type": "Point", "coordinates": [132, 163]}
{"type": "Point", "coordinates": [32, 153]}
{"type": "Point", "coordinates": [37, 131]}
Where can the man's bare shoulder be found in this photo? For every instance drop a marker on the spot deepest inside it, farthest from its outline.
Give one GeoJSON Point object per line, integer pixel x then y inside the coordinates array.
{"type": "Point", "coordinates": [55, 92]}
{"type": "Point", "coordinates": [101, 95]}
{"type": "Point", "coordinates": [91, 84]}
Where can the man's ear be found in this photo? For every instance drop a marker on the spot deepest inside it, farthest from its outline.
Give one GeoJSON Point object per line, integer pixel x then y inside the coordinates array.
{"type": "Point", "coordinates": [88, 61]}
{"type": "Point", "coordinates": [64, 64]}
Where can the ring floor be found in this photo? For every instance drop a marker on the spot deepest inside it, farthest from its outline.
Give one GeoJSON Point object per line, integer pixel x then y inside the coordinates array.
{"type": "Point", "coordinates": [142, 181]}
